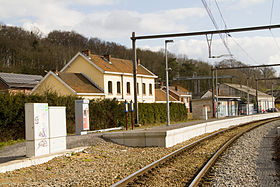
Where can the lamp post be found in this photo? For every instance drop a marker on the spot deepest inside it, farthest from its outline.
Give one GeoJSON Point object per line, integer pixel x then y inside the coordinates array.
{"type": "Point", "coordinates": [248, 96]}
{"type": "Point", "coordinates": [167, 89]}
{"type": "Point", "coordinates": [217, 91]}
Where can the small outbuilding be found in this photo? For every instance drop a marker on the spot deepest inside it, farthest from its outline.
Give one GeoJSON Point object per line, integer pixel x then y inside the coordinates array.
{"type": "Point", "coordinates": [227, 105]}
{"type": "Point", "coordinates": [13, 83]}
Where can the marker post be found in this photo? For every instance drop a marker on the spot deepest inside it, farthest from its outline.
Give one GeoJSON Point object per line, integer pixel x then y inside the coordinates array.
{"type": "Point", "coordinates": [126, 110]}
{"type": "Point", "coordinates": [131, 110]}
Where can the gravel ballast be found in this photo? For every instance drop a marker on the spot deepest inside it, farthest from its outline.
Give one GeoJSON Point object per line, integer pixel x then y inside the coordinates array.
{"type": "Point", "coordinates": [105, 163]}
{"type": "Point", "coordinates": [249, 162]}
{"type": "Point", "coordinates": [100, 165]}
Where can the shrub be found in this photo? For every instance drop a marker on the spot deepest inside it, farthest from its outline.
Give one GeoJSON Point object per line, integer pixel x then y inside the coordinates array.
{"type": "Point", "coordinates": [104, 114]}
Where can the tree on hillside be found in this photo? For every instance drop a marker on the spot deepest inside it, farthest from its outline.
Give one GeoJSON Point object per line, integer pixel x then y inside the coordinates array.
{"type": "Point", "coordinates": [28, 52]}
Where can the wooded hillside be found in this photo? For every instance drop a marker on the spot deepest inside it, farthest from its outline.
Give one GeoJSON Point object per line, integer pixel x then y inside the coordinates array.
{"type": "Point", "coordinates": [30, 53]}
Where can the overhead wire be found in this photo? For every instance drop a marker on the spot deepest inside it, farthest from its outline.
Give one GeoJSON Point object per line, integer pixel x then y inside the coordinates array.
{"type": "Point", "coordinates": [220, 12]}
{"type": "Point", "coordinates": [271, 12]}
{"type": "Point", "coordinates": [235, 41]}
{"type": "Point", "coordinates": [270, 21]}
{"type": "Point", "coordinates": [221, 15]}
{"type": "Point", "coordinates": [215, 24]}
{"type": "Point", "coordinates": [244, 51]}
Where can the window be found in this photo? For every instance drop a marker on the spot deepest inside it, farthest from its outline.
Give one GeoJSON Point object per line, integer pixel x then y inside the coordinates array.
{"type": "Point", "coordinates": [150, 89]}
{"type": "Point", "coordinates": [118, 87]}
{"type": "Point", "coordinates": [110, 89]}
{"type": "Point", "coordinates": [144, 88]}
{"type": "Point", "coordinates": [128, 87]}
{"type": "Point", "coordinates": [137, 88]}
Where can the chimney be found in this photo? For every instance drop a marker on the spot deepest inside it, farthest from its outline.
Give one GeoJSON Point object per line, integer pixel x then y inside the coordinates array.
{"type": "Point", "coordinates": [138, 61]}
{"type": "Point", "coordinates": [108, 57]}
{"type": "Point", "coordinates": [87, 52]}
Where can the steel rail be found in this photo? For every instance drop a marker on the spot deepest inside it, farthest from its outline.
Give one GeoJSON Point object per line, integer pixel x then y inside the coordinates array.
{"type": "Point", "coordinates": [161, 160]}
{"type": "Point", "coordinates": [214, 158]}
{"type": "Point", "coordinates": [147, 168]}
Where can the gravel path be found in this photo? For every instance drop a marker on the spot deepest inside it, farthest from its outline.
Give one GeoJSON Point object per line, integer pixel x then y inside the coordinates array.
{"type": "Point", "coordinates": [18, 151]}
{"type": "Point", "coordinates": [249, 162]}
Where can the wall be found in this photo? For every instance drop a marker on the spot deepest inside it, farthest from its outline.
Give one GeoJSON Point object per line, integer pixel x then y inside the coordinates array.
{"type": "Point", "coordinates": [48, 86]}
{"type": "Point", "coordinates": [3, 86]}
{"type": "Point", "coordinates": [169, 138]}
{"type": "Point", "coordinates": [197, 105]}
{"type": "Point", "coordinates": [92, 96]}
{"type": "Point", "coordinates": [147, 98]}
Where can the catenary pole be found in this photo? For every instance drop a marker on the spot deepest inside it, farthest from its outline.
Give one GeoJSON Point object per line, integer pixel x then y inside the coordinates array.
{"type": "Point", "coordinates": [217, 95]}
{"type": "Point", "coordinates": [248, 96]}
{"type": "Point", "coordinates": [213, 97]}
{"type": "Point", "coordinates": [272, 98]}
{"type": "Point", "coordinates": [134, 38]}
{"type": "Point", "coordinates": [257, 99]}
{"type": "Point", "coordinates": [135, 78]}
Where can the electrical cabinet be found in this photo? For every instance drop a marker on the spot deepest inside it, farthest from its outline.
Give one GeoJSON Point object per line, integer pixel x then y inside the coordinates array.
{"type": "Point", "coordinates": [82, 116]}
{"type": "Point", "coordinates": [36, 129]}
{"type": "Point", "coordinates": [57, 128]}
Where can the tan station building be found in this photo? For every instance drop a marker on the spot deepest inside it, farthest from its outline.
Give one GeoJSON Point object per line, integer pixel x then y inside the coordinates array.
{"type": "Point", "coordinates": [93, 76]}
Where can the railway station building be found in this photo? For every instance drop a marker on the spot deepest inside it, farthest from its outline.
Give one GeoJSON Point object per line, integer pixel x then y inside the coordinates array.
{"type": "Point", "coordinates": [95, 77]}
{"type": "Point", "coordinates": [265, 101]}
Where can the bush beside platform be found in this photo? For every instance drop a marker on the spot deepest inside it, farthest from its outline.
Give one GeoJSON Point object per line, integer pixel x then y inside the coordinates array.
{"type": "Point", "coordinates": [107, 113]}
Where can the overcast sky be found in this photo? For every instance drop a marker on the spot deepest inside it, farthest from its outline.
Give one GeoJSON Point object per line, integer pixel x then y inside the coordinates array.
{"type": "Point", "coordinates": [115, 20]}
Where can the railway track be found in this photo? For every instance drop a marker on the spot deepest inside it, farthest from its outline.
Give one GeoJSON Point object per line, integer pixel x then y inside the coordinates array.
{"type": "Point", "coordinates": [188, 165]}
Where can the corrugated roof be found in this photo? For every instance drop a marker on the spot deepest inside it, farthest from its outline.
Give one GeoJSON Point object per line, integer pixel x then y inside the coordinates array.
{"type": "Point", "coordinates": [245, 89]}
{"type": "Point", "coordinates": [79, 83]}
{"type": "Point", "coordinates": [20, 80]}
{"type": "Point", "coordinates": [160, 95]}
{"type": "Point", "coordinates": [118, 65]}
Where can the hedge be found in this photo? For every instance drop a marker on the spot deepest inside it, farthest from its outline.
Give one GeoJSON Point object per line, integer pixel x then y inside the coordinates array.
{"type": "Point", "coordinates": [103, 113]}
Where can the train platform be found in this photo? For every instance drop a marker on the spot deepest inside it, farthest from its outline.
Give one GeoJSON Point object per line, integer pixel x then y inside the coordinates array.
{"type": "Point", "coordinates": [167, 136]}
{"type": "Point", "coordinates": [14, 156]}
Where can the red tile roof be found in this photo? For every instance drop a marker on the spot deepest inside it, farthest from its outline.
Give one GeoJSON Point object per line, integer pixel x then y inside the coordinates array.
{"type": "Point", "coordinates": [160, 95]}
{"type": "Point", "coordinates": [118, 65]}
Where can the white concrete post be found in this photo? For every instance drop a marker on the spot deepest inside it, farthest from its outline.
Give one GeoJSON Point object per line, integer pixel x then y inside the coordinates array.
{"type": "Point", "coordinates": [204, 113]}
{"type": "Point", "coordinates": [278, 131]}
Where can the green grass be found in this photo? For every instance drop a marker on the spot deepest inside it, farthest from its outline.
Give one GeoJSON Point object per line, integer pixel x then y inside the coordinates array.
{"type": "Point", "coordinates": [10, 142]}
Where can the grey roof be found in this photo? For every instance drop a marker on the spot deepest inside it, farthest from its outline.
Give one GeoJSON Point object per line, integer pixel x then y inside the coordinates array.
{"type": "Point", "coordinates": [245, 89]}
{"type": "Point", "coordinates": [20, 80]}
